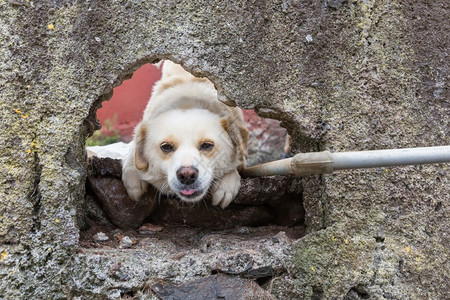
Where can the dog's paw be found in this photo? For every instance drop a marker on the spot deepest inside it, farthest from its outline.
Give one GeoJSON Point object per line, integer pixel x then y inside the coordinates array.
{"type": "Point", "coordinates": [227, 189]}
{"type": "Point", "coordinates": [133, 184]}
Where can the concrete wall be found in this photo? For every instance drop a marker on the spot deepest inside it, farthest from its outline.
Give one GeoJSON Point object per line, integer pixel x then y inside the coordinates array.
{"type": "Point", "coordinates": [340, 75]}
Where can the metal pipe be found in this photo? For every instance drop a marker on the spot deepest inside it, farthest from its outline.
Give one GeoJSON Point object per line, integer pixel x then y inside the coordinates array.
{"type": "Point", "coordinates": [325, 162]}
{"type": "Point", "coordinates": [389, 158]}
{"type": "Point", "coordinates": [278, 167]}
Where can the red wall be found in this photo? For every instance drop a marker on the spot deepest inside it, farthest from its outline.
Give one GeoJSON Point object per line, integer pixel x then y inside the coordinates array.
{"type": "Point", "coordinates": [128, 102]}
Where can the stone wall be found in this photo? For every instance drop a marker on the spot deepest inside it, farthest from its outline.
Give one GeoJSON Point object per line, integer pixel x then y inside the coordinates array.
{"type": "Point", "coordinates": [340, 75]}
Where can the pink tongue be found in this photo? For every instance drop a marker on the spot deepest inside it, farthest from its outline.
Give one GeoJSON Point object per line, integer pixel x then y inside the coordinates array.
{"type": "Point", "coordinates": [187, 192]}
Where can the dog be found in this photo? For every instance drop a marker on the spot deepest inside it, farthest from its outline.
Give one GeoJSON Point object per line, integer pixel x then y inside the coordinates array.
{"type": "Point", "coordinates": [188, 143]}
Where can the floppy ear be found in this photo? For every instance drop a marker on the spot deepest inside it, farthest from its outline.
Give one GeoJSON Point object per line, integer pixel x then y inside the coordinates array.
{"type": "Point", "coordinates": [238, 135]}
{"type": "Point", "coordinates": [139, 140]}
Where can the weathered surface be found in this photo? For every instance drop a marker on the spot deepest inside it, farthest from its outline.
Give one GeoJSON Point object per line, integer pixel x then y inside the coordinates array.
{"type": "Point", "coordinates": [104, 177]}
{"type": "Point", "coordinates": [213, 287]}
{"type": "Point", "coordinates": [205, 215]}
{"type": "Point", "coordinates": [180, 256]}
{"type": "Point", "coordinates": [340, 75]}
{"type": "Point", "coordinates": [121, 209]}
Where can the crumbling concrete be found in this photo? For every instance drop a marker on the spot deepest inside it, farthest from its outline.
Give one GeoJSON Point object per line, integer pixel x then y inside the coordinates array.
{"type": "Point", "coordinates": [340, 75]}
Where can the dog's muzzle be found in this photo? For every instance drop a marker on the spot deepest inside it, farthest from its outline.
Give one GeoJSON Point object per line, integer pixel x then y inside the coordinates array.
{"type": "Point", "coordinates": [187, 176]}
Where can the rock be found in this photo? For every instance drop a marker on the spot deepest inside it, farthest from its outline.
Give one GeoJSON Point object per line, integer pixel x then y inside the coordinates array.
{"type": "Point", "coordinates": [243, 230]}
{"type": "Point", "coordinates": [267, 138]}
{"type": "Point", "coordinates": [262, 272]}
{"type": "Point", "coordinates": [205, 215]}
{"type": "Point", "coordinates": [218, 286]}
{"type": "Point", "coordinates": [100, 237]}
{"type": "Point", "coordinates": [356, 294]}
{"type": "Point", "coordinates": [121, 209]}
{"type": "Point", "coordinates": [149, 228]}
{"type": "Point", "coordinates": [94, 213]}
{"type": "Point", "coordinates": [125, 242]}
{"type": "Point", "coordinates": [271, 190]}
{"type": "Point", "coordinates": [105, 181]}
{"type": "Point", "coordinates": [104, 167]}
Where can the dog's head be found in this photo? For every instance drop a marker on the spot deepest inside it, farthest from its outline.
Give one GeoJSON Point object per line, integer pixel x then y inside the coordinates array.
{"type": "Point", "coordinates": [183, 151]}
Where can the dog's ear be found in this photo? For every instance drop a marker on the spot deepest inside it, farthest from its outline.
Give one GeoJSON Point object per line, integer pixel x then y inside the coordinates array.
{"type": "Point", "coordinates": [139, 140]}
{"type": "Point", "coordinates": [238, 135]}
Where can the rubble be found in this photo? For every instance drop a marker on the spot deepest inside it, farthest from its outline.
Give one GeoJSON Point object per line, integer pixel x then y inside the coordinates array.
{"type": "Point", "coordinates": [125, 242]}
{"type": "Point", "coordinates": [100, 237]}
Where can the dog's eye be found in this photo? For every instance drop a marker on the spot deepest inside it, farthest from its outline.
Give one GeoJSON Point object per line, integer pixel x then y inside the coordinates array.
{"type": "Point", "coordinates": [206, 146]}
{"type": "Point", "coordinates": [166, 147]}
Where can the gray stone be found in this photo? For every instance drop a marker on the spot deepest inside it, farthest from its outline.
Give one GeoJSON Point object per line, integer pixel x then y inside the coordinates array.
{"type": "Point", "coordinates": [100, 237]}
{"type": "Point", "coordinates": [125, 242]}
{"type": "Point", "coordinates": [271, 190]}
{"type": "Point", "coordinates": [94, 213]}
{"type": "Point", "coordinates": [213, 287]}
{"type": "Point", "coordinates": [367, 60]}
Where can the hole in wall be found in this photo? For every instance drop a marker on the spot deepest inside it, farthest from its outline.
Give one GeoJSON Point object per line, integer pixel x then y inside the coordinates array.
{"type": "Point", "coordinates": [264, 206]}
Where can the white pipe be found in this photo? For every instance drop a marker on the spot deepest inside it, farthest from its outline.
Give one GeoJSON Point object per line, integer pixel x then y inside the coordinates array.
{"type": "Point", "coordinates": [325, 162]}
{"type": "Point", "coordinates": [388, 158]}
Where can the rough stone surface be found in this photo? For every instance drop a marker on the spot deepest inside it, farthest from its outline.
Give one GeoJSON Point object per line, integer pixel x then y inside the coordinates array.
{"type": "Point", "coordinates": [104, 179]}
{"type": "Point", "coordinates": [340, 75]}
{"type": "Point", "coordinates": [213, 287]}
{"type": "Point", "coordinates": [101, 237]}
{"type": "Point", "coordinates": [95, 214]}
{"type": "Point", "coordinates": [104, 167]}
{"type": "Point", "coordinates": [205, 215]}
{"type": "Point", "coordinates": [272, 190]}
{"type": "Point", "coordinates": [121, 209]}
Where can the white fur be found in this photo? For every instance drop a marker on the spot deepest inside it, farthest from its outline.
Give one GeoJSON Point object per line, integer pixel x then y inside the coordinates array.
{"type": "Point", "coordinates": [185, 112]}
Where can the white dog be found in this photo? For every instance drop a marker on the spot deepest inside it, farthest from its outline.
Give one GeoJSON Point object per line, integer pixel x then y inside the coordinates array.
{"type": "Point", "coordinates": [188, 142]}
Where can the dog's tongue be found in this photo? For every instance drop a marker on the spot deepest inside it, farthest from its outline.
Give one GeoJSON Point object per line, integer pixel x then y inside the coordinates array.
{"type": "Point", "coordinates": [187, 192]}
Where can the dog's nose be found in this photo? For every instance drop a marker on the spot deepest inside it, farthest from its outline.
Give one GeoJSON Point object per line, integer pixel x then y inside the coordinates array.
{"type": "Point", "coordinates": [187, 175]}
